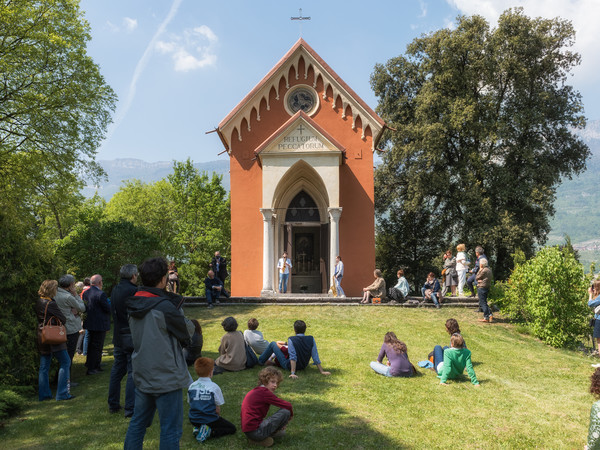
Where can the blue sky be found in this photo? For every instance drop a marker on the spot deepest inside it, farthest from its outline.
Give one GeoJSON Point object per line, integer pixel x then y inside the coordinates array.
{"type": "Point", "coordinates": [179, 66]}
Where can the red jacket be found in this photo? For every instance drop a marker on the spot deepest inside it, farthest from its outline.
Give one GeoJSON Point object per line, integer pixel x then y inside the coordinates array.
{"type": "Point", "coordinates": [256, 406]}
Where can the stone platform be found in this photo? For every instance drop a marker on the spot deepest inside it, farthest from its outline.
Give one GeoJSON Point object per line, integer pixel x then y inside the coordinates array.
{"type": "Point", "coordinates": [322, 299]}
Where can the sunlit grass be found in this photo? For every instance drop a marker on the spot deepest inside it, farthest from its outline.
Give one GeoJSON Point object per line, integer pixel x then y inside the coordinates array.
{"type": "Point", "coordinates": [531, 395]}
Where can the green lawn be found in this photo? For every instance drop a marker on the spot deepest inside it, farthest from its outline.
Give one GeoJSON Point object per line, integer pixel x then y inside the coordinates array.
{"type": "Point", "coordinates": [531, 395]}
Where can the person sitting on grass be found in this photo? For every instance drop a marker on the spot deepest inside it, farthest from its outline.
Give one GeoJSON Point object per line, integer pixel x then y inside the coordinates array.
{"type": "Point", "coordinates": [451, 363]}
{"type": "Point", "coordinates": [254, 338]}
{"type": "Point", "coordinates": [205, 399]}
{"type": "Point", "coordinates": [452, 328]}
{"type": "Point", "coordinates": [194, 351]}
{"type": "Point", "coordinates": [232, 351]}
{"type": "Point", "coordinates": [431, 289]}
{"type": "Point", "coordinates": [258, 429]}
{"type": "Point", "coordinates": [301, 349]}
{"type": "Point", "coordinates": [398, 364]}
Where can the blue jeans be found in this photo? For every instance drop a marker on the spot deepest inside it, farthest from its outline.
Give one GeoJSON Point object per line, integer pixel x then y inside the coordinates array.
{"type": "Point", "coordinates": [433, 296]}
{"type": "Point", "coordinates": [170, 414]}
{"type": "Point", "coordinates": [86, 340]}
{"type": "Point", "coordinates": [338, 286]}
{"type": "Point", "coordinates": [438, 356]}
{"type": "Point", "coordinates": [120, 368]}
{"type": "Point", "coordinates": [283, 280]}
{"type": "Point", "coordinates": [482, 293]}
{"type": "Point", "coordinates": [272, 348]}
{"type": "Point", "coordinates": [212, 295]}
{"type": "Point", "coordinates": [62, 389]}
{"type": "Point", "coordinates": [381, 369]}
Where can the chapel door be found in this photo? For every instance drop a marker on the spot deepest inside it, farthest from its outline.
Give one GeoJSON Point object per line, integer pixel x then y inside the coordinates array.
{"type": "Point", "coordinates": [303, 231]}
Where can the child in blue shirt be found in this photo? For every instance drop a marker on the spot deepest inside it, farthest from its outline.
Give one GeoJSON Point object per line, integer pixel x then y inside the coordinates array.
{"type": "Point", "coordinates": [205, 399]}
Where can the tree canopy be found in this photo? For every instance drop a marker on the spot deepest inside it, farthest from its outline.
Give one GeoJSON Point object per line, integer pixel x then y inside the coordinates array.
{"type": "Point", "coordinates": [55, 105]}
{"type": "Point", "coordinates": [483, 122]}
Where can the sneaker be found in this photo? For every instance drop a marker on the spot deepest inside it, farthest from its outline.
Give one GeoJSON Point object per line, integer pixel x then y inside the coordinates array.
{"type": "Point", "coordinates": [195, 431]}
{"type": "Point", "coordinates": [203, 433]}
{"type": "Point", "coordinates": [491, 319]}
{"type": "Point", "coordinates": [217, 302]}
{"type": "Point", "coordinates": [264, 443]}
{"type": "Point", "coordinates": [210, 305]}
{"type": "Point", "coordinates": [595, 366]}
{"type": "Point", "coordinates": [280, 433]}
{"type": "Point", "coordinates": [438, 306]}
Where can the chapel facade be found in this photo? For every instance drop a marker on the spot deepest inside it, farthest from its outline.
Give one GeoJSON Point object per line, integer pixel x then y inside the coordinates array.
{"type": "Point", "coordinates": [301, 149]}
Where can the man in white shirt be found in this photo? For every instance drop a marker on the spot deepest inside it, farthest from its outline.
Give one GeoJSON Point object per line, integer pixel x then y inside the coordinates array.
{"type": "Point", "coordinates": [283, 267]}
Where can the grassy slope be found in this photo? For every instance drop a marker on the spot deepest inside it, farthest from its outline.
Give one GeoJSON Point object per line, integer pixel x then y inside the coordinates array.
{"type": "Point", "coordinates": [531, 394]}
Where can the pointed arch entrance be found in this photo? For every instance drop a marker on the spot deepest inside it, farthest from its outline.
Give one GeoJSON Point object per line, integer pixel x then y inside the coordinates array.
{"type": "Point", "coordinates": [301, 201]}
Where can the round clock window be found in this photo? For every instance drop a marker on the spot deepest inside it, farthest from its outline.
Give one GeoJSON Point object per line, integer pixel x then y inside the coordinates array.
{"type": "Point", "coordinates": [301, 99]}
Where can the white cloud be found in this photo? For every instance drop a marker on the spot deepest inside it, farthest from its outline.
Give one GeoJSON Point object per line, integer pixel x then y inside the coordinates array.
{"type": "Point", "coordinates": [111, 26]}
{"type": "Point", "coordinates": [423, 7]}
{"type": "Point", "coordinates": [582, 13]}
{"type": "Point", "coordinates": [140, 67]}
{"type": "Point", "coordinates": [130, 24]}
{"type": "Point", "coordinates": [193, 49]}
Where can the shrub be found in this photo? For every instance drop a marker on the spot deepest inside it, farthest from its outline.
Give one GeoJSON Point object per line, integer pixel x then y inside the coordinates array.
{"type": "Point", "coordinates": [10, 403]}
{"type": "Point", "coordinates": [548, 293]}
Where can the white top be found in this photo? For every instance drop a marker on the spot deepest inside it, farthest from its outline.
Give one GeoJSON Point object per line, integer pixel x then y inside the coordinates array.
{"type": "Point", "coordinates": [461, 259]}
{"type": "Point", "coordinates": [256, 341]}
{"type": "Point", "coordinates": [339, 270]}
{"type": "Point", "coordinates": [284, 267]}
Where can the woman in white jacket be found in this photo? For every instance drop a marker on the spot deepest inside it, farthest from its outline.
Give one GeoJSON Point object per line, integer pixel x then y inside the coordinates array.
{"type": "Point", "coordinates": [461, 268]}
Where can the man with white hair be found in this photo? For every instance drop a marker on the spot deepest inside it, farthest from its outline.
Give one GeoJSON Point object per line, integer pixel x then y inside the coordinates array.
{"type": "Point", "coordinates": [70, 304]}
{"type": "Point", "coordinates": [97, 323]}
{"type": "Point", "coordinates": [484, 282]}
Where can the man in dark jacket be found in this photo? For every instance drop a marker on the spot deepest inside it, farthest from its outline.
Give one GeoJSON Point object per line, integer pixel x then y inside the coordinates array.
{"type": "Point", "coordinates": [219, 267]}
{"type": "Point", "coordinates": [97, 323]}
{"type": "Point", "coordinates": [123, 344]}
{"type": "Point", "coordinates": [158, 329]}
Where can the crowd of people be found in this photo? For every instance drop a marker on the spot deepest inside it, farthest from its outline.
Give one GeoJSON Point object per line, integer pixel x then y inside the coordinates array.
{"type": "Point", "coordinates": [154, 343]}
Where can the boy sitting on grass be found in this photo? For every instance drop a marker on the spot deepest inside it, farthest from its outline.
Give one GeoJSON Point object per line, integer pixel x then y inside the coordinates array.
{"type": "Point", "coordinates": [205, 399]}
{"type": "Point", "coordinates": [451, 362]}
{"type": "Point", "coordinates": [258, 430]}
{"type": "Point", "coordinates": [301, 349]}
{"type": "Point", "coordinates": [254, 338]}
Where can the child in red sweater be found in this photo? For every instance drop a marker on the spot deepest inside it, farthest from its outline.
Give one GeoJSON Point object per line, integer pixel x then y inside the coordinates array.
{"type": "Point", "coordinates": [256, 405]}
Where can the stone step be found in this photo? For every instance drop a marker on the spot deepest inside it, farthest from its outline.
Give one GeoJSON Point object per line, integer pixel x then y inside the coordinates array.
{"type": "Point", "coordinates": [318, 299]}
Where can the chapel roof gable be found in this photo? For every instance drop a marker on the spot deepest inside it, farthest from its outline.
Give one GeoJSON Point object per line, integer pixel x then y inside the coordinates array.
{"type": "Point", "coordinates": [331, 80]}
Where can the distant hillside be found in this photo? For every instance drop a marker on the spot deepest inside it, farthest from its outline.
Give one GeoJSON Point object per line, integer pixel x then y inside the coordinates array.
{"type": "Point", "coordinates": [578, 200]}
{"type": "Point", "coordinates": [119, 170]}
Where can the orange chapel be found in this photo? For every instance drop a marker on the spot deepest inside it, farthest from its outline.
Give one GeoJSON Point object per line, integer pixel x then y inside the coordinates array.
{"type": "Point", "coordinates": [301, 147]}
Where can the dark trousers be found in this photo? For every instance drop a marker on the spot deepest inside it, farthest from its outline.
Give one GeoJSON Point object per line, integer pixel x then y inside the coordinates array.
{"type": "Point", "coordinates": [95, 345]}
{"type": "Point", "coordinates": [72, 344]}
{"type": "Point", "coordinates": [470, 283]}
{"type": "Point", "coordinates": [120, 368]}
{"type": "Point", "coordinates": [482, 293]}
{"type": "Point", "coordinates": [218, 428]}
{"type": "Point", "coordinates": [270, 425]}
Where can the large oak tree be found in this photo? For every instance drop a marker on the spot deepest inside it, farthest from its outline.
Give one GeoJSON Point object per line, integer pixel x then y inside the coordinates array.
{"type": "Point", "coordinates": [484, 122]}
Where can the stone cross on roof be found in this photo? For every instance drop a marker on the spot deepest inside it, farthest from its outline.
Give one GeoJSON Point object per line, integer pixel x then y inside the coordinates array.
{"type": "Point", "coordinates": [300, 18]}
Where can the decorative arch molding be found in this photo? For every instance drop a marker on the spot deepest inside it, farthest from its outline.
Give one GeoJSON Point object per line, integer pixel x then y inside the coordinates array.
{"type": "Point", "coordinates": [332, 86]}
{"type": "Point", "coordinates": [301, 177]}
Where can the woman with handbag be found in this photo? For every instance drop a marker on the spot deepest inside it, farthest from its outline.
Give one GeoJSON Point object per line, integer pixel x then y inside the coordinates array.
{"type": "Point", "coordinates": [50, 343]}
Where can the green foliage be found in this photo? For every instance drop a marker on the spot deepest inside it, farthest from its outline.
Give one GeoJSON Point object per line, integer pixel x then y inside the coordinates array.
{"type": "Point", "coordinates": [24, 263]}
{"type": "Point", "coordinates": [55, 106]}
{"type": "Point", "coordinates": [484, 126]}
{"type": "Point", "coordinates": [548, 293]}
{"type": "Point", "coordinates": [103, 247]}
{"type": "Point", "coordinates": [10, 403]}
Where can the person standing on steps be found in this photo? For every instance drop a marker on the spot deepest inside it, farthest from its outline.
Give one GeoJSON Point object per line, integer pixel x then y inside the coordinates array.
{"type": "Point", "coordinates": [284, 266]}
{"type": "Point", "coordinates": [338, 274]}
